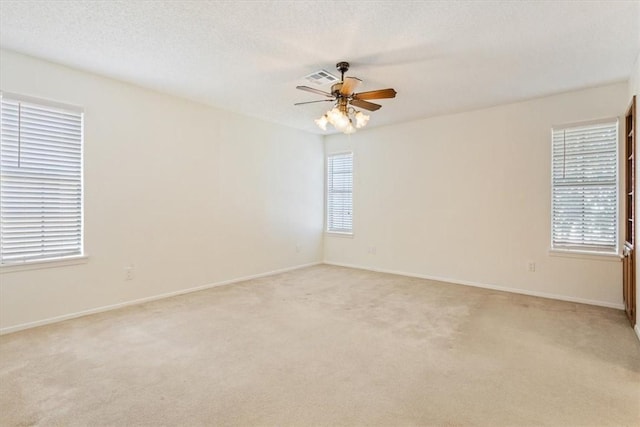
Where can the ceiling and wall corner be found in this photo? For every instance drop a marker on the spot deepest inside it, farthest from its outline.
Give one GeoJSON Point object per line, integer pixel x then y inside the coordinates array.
{"type": "Point", "coordinates": [247, 57]}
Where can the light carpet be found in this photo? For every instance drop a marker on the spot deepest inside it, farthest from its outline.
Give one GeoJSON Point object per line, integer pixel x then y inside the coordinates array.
{"type": "Point", "coordinates": [328, 346]}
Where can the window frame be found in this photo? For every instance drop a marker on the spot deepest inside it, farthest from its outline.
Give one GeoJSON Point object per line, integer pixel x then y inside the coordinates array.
{"type": "Point", "coordinates": [326, 194]}
{"type": "Point", "coordinates": [62, 260]}
{"type": "Point", "coordinates": [585, 251]}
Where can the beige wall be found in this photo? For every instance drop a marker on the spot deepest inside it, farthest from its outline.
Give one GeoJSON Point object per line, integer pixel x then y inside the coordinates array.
{"type": "Point", "coordinates": [188, 194]}
{"type": "Point", "coordinates": [466, 198]}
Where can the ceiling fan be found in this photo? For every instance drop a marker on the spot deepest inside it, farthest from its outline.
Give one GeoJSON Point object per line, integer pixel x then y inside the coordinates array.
{"type": "Point", "coordinates": [343, 114]}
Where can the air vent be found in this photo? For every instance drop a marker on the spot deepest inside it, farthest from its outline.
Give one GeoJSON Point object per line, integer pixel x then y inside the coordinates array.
{"type": "Point", "coordinates": [322, 77]}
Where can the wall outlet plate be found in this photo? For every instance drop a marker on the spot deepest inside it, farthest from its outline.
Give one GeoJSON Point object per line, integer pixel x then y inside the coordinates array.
{"type": "Point", "coordinates": [128, 272]}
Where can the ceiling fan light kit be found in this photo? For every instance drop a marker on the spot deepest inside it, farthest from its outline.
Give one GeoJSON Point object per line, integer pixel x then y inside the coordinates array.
{"type": "Point", "coordinates": [343, 119]}
{"type": "Point", "coordinates": [343, 116]}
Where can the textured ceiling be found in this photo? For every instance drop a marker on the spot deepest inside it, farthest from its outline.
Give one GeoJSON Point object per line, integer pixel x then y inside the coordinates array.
{"type": "Point", "coordinates": [247, 57]}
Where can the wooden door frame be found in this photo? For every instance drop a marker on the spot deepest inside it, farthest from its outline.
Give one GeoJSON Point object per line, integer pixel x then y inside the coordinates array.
{"type": "Point", "coordinates": [629, 260]}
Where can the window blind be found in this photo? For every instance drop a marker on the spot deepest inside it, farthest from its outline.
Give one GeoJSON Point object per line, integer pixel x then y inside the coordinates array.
{"type": "Point", "coordinates": [585, 187]}
{"type": "Point", "coordinates": [340, 193]}
{"type": "Point", "coordinates": [41, 181]}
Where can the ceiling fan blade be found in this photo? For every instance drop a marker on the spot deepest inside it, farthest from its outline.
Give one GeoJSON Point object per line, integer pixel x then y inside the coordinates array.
{"type": "Point", "coordinates": [365, 104]}
{"type": "Point", "coordinates": [316, 91]}
{"type": "Point", "coordinates": [313, 102]}
{"type": "Point", "coordinates": [349, 85]}
{"type": "Point", "coordinates": [376, 94]}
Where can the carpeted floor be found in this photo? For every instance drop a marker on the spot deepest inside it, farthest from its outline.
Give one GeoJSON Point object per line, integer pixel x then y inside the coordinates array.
{"type": "Point", "coordinates": [328, 346]}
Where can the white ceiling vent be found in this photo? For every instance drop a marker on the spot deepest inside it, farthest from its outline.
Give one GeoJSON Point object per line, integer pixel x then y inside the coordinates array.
{"type": "Point", "coordinates": [322, 77]}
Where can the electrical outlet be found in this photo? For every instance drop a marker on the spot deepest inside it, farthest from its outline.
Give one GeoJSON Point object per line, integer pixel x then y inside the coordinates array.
{"type": "Point", "coordinates": [372, 250]}
{"type": "Point", "coordinates": [128, 272]}
{"type": "Point", "coordinates": [531, 266]}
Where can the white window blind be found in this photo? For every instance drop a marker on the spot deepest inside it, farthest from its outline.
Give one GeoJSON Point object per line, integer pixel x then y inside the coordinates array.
{"type": "Point", "coordinates": [340, 193]}
{"type": "Point", "coordinates": [585, 187]}
{"type": "Point", "coordinates": [41, 181]}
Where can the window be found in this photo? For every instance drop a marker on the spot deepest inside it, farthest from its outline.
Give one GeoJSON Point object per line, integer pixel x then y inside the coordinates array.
{"type": "Point", "coordinates": [585, 187]}
{"type": "Point", "coordinates": [41, 180]}
{"type": "Point", "coordinates": [340, 193]}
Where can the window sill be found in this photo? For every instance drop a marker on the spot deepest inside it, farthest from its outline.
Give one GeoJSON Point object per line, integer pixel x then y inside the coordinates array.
{"type": "Point", "coordinates": [338, 234]}
{"type": "Point", "coordinates": [37, 265]}
{"type": "Point", "coordinates": [594, 256]}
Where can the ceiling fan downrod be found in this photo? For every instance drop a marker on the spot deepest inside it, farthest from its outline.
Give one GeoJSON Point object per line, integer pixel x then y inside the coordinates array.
{"type": "Point", "coordinates": [343, 67]}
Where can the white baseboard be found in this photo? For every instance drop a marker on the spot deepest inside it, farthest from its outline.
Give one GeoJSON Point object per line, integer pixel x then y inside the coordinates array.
{"type": "Point", "coordinates": [487, 286]}
{"type": "Point", "coordinates": [56, 319]}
